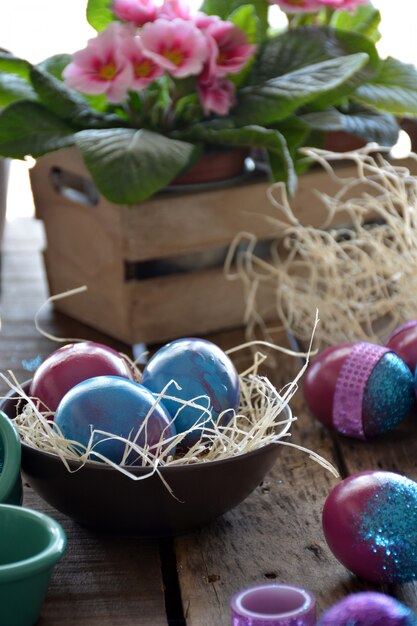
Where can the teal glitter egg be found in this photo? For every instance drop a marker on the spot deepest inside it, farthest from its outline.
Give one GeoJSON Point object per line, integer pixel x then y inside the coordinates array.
{"type": "Point", "coordinates": [370, 524]}
{"type": "Point", "coordinates": [388, 395]}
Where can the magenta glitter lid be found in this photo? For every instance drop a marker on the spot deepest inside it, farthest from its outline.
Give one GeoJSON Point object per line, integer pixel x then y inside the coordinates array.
{"type": "Point", "coordinates": [273, 605]}
{"type": "Point", "coordinates": [350, 387]}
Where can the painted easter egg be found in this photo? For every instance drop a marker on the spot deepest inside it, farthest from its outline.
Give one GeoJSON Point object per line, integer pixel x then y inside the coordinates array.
{"type": "Point", "coordinates": [118, 406]}
{"type": "Point", "coordinates": [359, 389]}
{"type": "Point", "coordinates": [368, 608]}
{"type": "Point", "coordinates": [204, 373]}
{"type": "Point", "coordinates": [403, 341]}
{"type": "Point", "coordinates": [369, 521]}
{"type": "Point", "coordinates": [70, 365]}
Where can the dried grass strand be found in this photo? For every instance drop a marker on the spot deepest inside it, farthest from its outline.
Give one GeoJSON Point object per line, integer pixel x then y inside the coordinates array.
{"type": "Point", "coordinates": [361, 275]}
{"type": "Point", "coordinates": [259, 421]}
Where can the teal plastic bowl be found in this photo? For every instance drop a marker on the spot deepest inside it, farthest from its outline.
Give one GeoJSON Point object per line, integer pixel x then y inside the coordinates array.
{"type": "Point", "coordinates": [31, 543]}
{"type": "Point", "coordinates": [10, 457]}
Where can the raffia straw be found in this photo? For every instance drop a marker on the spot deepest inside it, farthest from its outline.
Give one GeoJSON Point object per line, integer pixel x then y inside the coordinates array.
{"type": "Point", "coordinates": [259, 421]}
{"type": "Point", "coordinates": [50, 300]}
{"type": "Point", "coordinates": [361, 276]}
{"type": "Point", "coordinates": [134, 364]}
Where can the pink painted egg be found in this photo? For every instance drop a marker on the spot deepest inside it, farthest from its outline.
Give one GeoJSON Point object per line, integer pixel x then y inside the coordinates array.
{"type": "Point", "coordinates": [359, 389]}
{"type": "Point", "coordinates": [403, 342]}
{"type": "Point", "coordinates": [70, 365]}
{"type": "Point", "coordinates": [369, 522]}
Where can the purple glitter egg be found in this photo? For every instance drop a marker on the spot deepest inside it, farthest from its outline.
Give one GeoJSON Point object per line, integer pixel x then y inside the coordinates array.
{"type": "Point", "coordinates": [368, 609]}
{"type": "Point", "coordinates": [369, 521]}
{"type": "Point", "coordinates": [359, 389]}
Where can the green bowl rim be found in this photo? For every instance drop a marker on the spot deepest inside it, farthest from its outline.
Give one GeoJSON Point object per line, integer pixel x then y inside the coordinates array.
{"type": "Point", "coordinates": [12, 456]}
{"type": "Point", "coordinates": [46, 558]}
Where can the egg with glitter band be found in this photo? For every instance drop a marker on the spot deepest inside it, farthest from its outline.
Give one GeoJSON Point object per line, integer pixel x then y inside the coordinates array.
{"type": "Point", "coordinates": [359, 389]}
{"type": "Point", "coordinates": [204, 374]}
{"type": "Point", "coordinates": [403, 341]}
{"type": "Point", "coordinates": [368, 608]}
{"type": "Point", "coordinates": [369, 521]}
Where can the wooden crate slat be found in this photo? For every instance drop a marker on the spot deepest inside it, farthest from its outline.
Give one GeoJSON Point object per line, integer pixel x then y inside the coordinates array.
{"type": "Point", "coordinates": [91, 245]}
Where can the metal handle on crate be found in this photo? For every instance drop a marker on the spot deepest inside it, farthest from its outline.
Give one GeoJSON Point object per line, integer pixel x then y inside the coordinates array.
{"type": "Point", "coordinates": [74, 187]}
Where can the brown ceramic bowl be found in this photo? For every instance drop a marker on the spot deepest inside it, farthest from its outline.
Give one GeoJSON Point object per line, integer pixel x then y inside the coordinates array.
{"type": "Point", "coordinates": [100, 497]}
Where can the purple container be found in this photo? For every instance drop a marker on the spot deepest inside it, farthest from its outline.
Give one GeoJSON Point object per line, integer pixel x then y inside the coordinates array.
{"type": "Point", "coordinates": [273, 605]}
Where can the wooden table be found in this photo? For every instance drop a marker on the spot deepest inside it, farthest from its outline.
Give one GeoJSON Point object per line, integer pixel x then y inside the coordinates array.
{"type": "Point", "coordinates": [275, 535]}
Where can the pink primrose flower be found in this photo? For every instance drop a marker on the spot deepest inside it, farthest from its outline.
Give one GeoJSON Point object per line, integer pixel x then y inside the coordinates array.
{"type": "Point", "coordinates": [171, 9]}
{"type": "Point", "coordinates": [216, 96]}
{"type": "Point", "coordinates": [144, 69]}
{"type": "Point", "coordinates": [203, 21]}
{"type": "Point", "coordinates": [139, 12]}
{"type": "Point", "coordinates": [231, 50]}
{"type": "Point", "coordinates": [344, 5]}
{"type": "Point", "coordinates": [298, 6]}
{"type": "Point", "coordinates": [101, 68]}
{"type": "Point", "coordinates": [178, 46]}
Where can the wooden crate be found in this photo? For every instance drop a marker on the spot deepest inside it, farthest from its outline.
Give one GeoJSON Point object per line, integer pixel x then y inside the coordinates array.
{"type": "Point", "coordinates": [103, 245]}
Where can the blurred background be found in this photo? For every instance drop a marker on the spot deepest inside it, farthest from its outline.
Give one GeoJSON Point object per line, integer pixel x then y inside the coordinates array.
{"type": "Point", "coordinates": [36, 30]}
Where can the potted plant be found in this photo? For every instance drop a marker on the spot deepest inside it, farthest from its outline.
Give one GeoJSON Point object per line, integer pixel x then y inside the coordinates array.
{"type": "Point", "coordinates": [159, 85]}
{"type": "Point", "coordinates": [156, 91]}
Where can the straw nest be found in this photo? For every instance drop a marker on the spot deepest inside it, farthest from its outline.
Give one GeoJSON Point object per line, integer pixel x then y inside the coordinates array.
{"type": "Point", "coordinates": [357, 268]}
{"type": "Point", "coordinates": [260, 420]}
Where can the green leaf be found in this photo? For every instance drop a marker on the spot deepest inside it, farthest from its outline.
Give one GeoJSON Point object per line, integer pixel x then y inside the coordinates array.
{"type": "Point", "coordinates": [276, 99]}
{"type": "Point", "coordinates": [308, 45]}
{"type": "Point", "coordinates": [99, 14]}
{"type": "Point", "coordinates": [253, 137]}
{"type": "Point", "coordinates": [295, 132]}
{"type": "Point", "coordinates": [28, 128]}
{"type": "Point", "coordinates": [245, 18]}
{"type": "Point", "coordinates": [13, 88]}
{"type": "Point", "coordinates": [369, 125]}
{"type": "Point", "coordinates": [55, 65]}
{"type": "Point", "coordinates": [130, 165]}
{"type": "Point", "coordinates": [366, 20]}
{"type": "Point", "coordinates": [66, 103]}
{"type": "Point", "coordinates": [14, 65]}
{"type": "Point", "coordinates": [393, 90]}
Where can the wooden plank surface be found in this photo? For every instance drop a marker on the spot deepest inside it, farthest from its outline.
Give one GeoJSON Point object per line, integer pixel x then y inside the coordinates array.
{"type": "Point", "coordinates": [275, 535]}
{"type": "Point", "coordinates": [102, 579]}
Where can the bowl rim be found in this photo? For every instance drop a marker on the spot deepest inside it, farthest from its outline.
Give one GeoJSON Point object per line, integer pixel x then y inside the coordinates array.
{"type": "Point", "coordinates": [12, 457]}
{"type": "Point", "coordinates": [45, 558]}
{"type": "Point", "coordinates": [149, 469]}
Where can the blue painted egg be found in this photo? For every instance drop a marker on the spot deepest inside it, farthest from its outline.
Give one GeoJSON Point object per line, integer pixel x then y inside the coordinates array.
{"type": "Point", "coordinates": [203, 371]}
{"type": "Point", "coordinates": [368, 608]}
{"type": "Point", "coordinates": [117, 406]}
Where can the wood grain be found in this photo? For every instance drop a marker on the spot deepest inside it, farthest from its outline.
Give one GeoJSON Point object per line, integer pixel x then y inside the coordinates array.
{"type": "Point", "coordinates": [275, 535]}
{"type": "Point", "coordinates": [102, 579]}
{"type": "Point", "coordinates": [94, 245]}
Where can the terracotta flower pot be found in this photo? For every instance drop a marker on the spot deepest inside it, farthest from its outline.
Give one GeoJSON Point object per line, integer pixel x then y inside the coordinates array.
{"type": "Point", "coordinates": [215, 166]}
{"type": "Point", "coordinates": [340, 141]}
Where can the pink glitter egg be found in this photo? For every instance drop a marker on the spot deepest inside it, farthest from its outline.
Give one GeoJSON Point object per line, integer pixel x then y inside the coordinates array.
{"type": "Point", "coordinates": [70, 365]}
{"type": "Point", "coordinates": [368, 608]}
{"type": "Point", "coordinates": [369, 522]}
{"type": "Point", "coordinates": [359, 389]}
{"type": "Point", "coordinates": [403, 341]}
